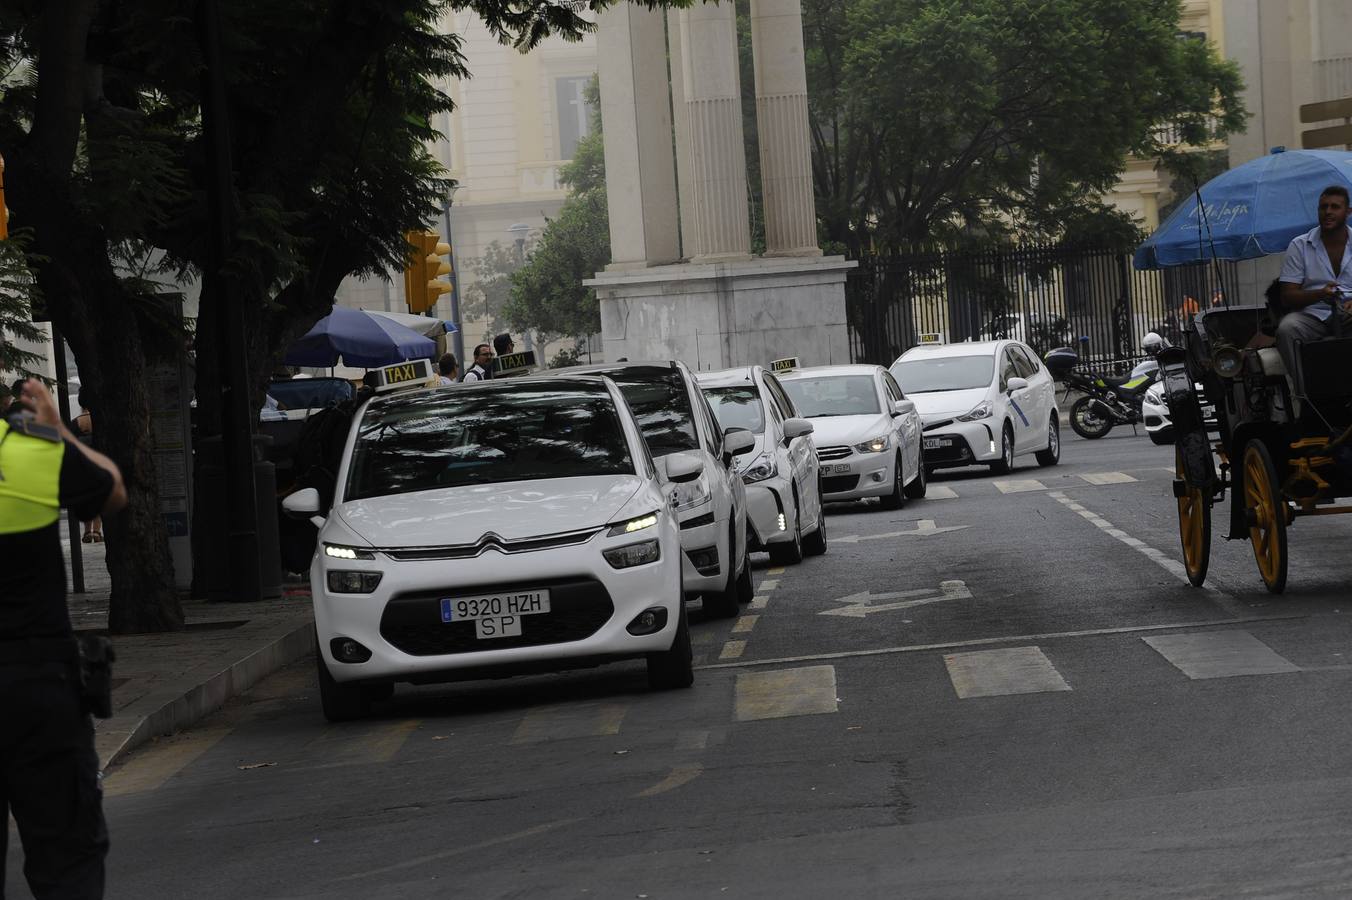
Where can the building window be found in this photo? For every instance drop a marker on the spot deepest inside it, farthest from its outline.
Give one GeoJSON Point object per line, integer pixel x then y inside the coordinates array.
{"type": "Point", "coordinates": [572, 114]}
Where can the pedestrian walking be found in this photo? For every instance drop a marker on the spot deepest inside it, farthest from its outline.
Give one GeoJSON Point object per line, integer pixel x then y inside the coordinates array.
{"type": "Point", "coordinates": [482, 370]}
{"type": "Point", "coordinates": [448, 368]}
{"type": "Point", "coordinates": [49, 772]}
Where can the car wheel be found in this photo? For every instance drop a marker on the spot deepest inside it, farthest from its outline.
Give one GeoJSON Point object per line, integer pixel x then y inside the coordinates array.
{"type": "Point", "coordinates": [340, 702]}
{"type": "Point", "coordinates": [1052, 455]}
{"type": "Point", "coordinates": [745, 590]}
{"type": "Point", "coordinates": [724, 604]}
{"type": "Point", "coordinates": [674, 668]}
{"type": "Point", "coordinates": [790, 554]}
{"type": "Point", "coordinates": [896, 499]}
{"type": "Point", "coordinates": [1005, 464]}
{"type": "Point", "coordinates": [815, 543]}
{"type": "Point", "coordinates": [916, 489]}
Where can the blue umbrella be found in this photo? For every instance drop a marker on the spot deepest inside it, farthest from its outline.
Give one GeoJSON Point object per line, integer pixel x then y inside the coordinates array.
{"type": "Point", "coordinates": [1250, 211]}
{"type": "Point", "coordinates": [360, 339]}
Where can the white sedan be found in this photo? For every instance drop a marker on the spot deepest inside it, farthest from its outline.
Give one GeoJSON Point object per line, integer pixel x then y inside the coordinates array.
{"type": "Point", "coordinates": [867, 433]}
{"type": "Point", "coordinates": [783, 488]}
{"type": "Point", "coordinates": [982, 403]}
{"type": "Point", "coordinates": [511, 526]}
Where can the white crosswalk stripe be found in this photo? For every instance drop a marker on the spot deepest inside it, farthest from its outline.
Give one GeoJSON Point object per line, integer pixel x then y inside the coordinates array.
{"type": "Point", "coordinates": [995, 673]}
{"type": "Point", "coordinates": [940, 492]}
{"type": "Point", "coordinates": [1220, 654]}
{"type": "Point", "coordinates": [804, 691]}
{"type": "Point", "coordinates": [1019, 486]}
{"type": "Point", "coordinates": [1108, 478]}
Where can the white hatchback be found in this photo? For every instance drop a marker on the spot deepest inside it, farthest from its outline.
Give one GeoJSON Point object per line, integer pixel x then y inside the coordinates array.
{"type": "Point", "coordinates": [982, 403]}
{"type": "Point", "coordinates": [510, 526]}
{"type": "Point", "coordinates": [783, 488]}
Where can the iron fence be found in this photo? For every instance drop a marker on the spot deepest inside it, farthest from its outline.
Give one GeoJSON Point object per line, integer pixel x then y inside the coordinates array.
{"type": "Point", "coordinates": [1044, 295]}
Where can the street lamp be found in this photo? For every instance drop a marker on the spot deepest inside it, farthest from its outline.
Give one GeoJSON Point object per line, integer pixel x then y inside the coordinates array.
{"type": "Point", "coordinates": [457, 338]}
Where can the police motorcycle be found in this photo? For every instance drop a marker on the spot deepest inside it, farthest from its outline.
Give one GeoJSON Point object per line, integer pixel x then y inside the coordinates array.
{"type": "Point", "coordinates": [1108, 399]}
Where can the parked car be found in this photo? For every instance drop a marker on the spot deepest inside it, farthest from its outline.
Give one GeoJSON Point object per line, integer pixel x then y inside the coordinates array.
{"type": "Point", "coordinates": [675, 418]}
{"type": "Point", "coordinates": [866, 431]}
{"type": "Point", "coordinates": [505, 527]}
{"type": "Point", "coordinates": [783, 487]}
{"type": "Point", "coordinates": [982, 403]}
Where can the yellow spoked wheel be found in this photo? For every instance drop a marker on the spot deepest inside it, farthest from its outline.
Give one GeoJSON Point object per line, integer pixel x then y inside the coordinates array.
{"type": "Point", "coordinates": [1266, 512]}
{"type": "Point", "coordinates": [1194, 527]}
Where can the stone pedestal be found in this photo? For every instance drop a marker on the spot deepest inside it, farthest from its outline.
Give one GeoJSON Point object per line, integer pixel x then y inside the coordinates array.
{"type": "Point", "coordinates": [717, 315]}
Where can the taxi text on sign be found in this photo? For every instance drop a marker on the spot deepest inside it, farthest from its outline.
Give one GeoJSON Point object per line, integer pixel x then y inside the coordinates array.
{"type": "Point", "coordinates": [787, 364]}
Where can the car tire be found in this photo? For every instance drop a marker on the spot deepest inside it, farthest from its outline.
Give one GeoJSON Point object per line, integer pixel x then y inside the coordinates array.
{"type": "Point", "coordinates": [916, 489]}
{"type": "Point", "coordinates": [674, 668]}
{"type": "Point", "coordinates": [1161, 438]}
{"type": "Point", "coordinates": [896, 499]}
{"type": "Point", "coordinates": [1052, 455]}
{"type": "Point", "coordinates": [790, 554]}
{"type": "Point", "coordinates": [815, 543]}
{"type": "Point", "coordinates": [1005, 464]}
{"type": "Point", "coordinates": [724, 604]}
{"type": "Point", "coordinates": [340, 702]}
{"type": "Point", "coordinates": [745, 590]}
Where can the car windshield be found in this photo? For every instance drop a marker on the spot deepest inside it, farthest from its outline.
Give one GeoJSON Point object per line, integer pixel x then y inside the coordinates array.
{"type": "Point", "coordinates": [833, 395]}
{"type": "Point", "coordinates": [458, 438]}
{"type": "Point", "coordinates": [943, 373]}
{"type": "Point", "coordinates": [659, 401]}
{"type": "Point", "coordinates": [737, 407]}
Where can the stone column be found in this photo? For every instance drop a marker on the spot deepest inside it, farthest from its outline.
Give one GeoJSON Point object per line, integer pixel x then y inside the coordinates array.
{"type": "Point", "coordinates": [781, 118]}
{"type": "Point", "coordinates": [680, 121]}
{"type": "Point", "coordinates": [640, 169]}
{"type": "Point", "coordinates": [716, 147]}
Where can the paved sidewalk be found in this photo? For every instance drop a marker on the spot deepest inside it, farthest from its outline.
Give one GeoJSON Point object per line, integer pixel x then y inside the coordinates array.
{"type": "Point", "coordinates": [163, 683]}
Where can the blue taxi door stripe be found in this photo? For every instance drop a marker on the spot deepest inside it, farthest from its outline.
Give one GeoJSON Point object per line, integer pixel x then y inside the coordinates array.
{"type": "Point", "coordinates": [1014, 403]}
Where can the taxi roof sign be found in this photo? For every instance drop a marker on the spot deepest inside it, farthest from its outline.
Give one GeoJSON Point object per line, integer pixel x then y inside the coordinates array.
{"type": "Point", "coordinates": [514, 363]}
{"type": "Point", "coordinates": [932, 337]}
{"type": "Point", "coordinates": [412, 373]}
{"type": "Point", "coordinates": [787, 364]}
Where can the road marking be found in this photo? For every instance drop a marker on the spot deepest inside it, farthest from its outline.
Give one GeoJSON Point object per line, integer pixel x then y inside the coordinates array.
{"type": "Point", "coordinates": [768, 584]}
{"type": "Point", "coordinates": [759, 601]}
{"type": "Point", "coordinates": [806, 691]}
{"type": "Point", "coordinates": [1019, 486]}
{"type": "Point", "coordinates": [363, 743]}
{"type": "Point", "coordinates": [744, 624]}
{"type": "Point", "coordinates": [1224, 654]}
{"type": "Point", "coordinates": [573, 721]}
{"type": "Point", "coordinates": [679, 776]}
{"type": "Point", "coordinates": [996, 673]}
{"type": "Point", "coordinates": [460, 851]}
{"type": "Point", "coordinates": [940, 492]}
{"type": "Point", "coordinates": [1163, 560]}
{"type": "Point", "coordinates": [1011, 639]}
{"type": "Point", "coordinates": [732, 650]}
{"type": "Point", "coordinates": [1108, 478]}
{"type": "Point", "coordinates": [861, 604]}
{"type": "Point", "coordinates": [150, 769]}
{"type": "Point", "coordinates": [775, 570]}
{"type": "Point", "coordinates": [923, 528]}
{"type": "Point", "coordinates": [693, 740]}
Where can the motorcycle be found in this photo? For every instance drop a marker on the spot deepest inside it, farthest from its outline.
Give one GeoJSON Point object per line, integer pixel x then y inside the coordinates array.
{"type": "Point", "coordinates": [1108, 400]}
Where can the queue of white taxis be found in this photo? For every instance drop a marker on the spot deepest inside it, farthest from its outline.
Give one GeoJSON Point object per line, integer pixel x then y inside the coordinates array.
{"type": "Point", "coordinates": [500, 528]}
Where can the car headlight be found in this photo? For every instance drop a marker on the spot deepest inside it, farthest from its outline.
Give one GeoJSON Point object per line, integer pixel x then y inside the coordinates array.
{"type": "Point", "coordinates": [761, 468]}
{"type": "Point", "coordinates": [339, 551]}
{"type": "Point", "coordinates": [633, 554]}
{"type": "Point", "coordinates": [1153, 398]}
{"type": "Point", "coordinates": [981, 411]}
{"type": "Point", "coordinates": [875, 445]}
{"type": "Point", "coordinates": [349, 582]}
{"type": "Point", "coordinates": [692, 493]}
{"type": "Point", "coordinates": [629, 526]}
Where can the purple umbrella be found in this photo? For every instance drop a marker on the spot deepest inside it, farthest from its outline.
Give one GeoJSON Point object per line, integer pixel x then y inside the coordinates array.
{"type": "Point", "coordinates": [359, 339]}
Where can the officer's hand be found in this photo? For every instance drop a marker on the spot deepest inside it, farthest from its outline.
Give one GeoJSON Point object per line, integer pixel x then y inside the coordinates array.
{"type": "Point", "coordinates": [38, 400]}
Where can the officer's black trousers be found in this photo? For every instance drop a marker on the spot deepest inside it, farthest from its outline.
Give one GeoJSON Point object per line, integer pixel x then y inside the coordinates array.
{"type": "Point", "coordinates": [49, 780]}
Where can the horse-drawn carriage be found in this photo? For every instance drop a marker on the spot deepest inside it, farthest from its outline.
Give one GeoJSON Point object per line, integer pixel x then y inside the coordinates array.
{"type": "Point", "coordinates": [1281, 456]}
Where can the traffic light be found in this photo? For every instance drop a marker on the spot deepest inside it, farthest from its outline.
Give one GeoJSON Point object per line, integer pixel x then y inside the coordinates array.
{"type": "Point", "coordinates": [422, 273]}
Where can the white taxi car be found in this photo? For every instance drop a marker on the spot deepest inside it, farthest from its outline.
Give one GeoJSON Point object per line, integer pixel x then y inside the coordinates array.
{"type": "Point", "coordinates": [510, 526]}
{"type": "Point", "coordinates": [783, 488]}
{"type": "Point", "coordinates": [675, 418]}
{"type": "Point", "coordinates": [982, 403]}
{"type": "Point", "coordinates": [867, 433]}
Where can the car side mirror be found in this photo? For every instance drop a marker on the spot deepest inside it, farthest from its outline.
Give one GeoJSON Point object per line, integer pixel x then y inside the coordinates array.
{"type": "Point", "coordinates": [903, 407]}
{"type": "Point", "coordinates": [737, 441]}
{"type": "Point", "coordinates": [303, 504]}
{"type": "Point", "coordinates": [1015, 384]}
{"type": "Point", "coordinates": [796, 428]}
{"type": "Point", "coordinates": [683, 467]}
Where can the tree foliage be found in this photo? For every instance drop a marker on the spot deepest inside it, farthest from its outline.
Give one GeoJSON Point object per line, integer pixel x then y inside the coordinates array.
{"type": "Point", "coordinates": [17, 295]}
{"type": "Point", "coordinates": [931, 119]}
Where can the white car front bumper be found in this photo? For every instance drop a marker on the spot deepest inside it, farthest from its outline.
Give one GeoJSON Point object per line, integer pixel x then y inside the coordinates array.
{"type": "Point", "coordinates": [703, 554]}
{"type": "Point", "coordinates": [857, 475]}
{"type": "Point", "coordinates": [953, 443]}
{"type": "Point", "coordinates": [400, 623]}
{"type": "Point", "coordinates": [769, 513]}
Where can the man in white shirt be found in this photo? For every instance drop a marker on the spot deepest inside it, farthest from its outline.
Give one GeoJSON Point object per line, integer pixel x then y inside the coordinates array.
{"type": "Point", "coordinates": [1317, 277]}
{"type": "Point", "coordinates": [483, 364]}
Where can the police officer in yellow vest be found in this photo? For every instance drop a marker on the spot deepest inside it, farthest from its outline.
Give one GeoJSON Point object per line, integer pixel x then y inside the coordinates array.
{"type": "Point", "coordinates": [48, 769]}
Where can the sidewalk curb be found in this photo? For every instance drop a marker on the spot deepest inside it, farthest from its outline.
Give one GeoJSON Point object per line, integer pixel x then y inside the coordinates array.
{"type": "Point", "coordinates": [192, 697]}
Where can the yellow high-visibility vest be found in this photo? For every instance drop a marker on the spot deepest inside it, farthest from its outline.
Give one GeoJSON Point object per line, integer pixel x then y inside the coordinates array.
{"type": "Point", "coordinates": [30, 480]}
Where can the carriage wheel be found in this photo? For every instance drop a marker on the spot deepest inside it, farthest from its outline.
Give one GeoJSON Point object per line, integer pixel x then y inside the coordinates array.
{"type": "Point", "coordinates": [1194, 526]}
{"type": "Point", "coordinates": [1266, 513]}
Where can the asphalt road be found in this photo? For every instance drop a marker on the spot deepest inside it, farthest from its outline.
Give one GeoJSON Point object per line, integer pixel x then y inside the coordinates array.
{"type": "Point", "coordinates": [1032, 704]}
